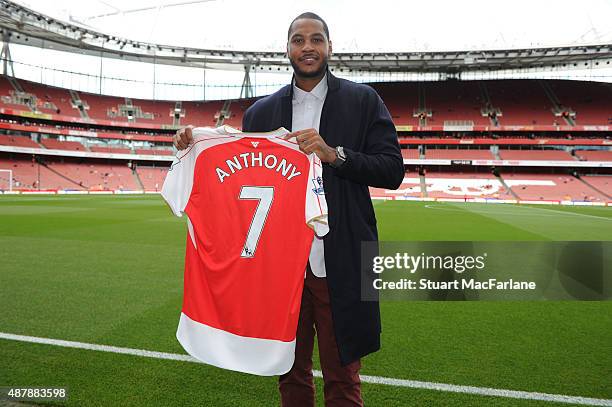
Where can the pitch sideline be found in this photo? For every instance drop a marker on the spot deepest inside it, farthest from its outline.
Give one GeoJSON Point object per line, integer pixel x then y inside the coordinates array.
{"type": "Point", "coordinates": [414, 384]}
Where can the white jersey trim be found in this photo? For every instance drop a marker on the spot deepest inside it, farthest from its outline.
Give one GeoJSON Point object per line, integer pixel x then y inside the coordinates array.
{"type": "Point", "coordinates": [264, 357]}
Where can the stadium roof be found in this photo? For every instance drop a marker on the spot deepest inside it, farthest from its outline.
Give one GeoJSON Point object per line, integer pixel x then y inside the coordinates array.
{"type": "Point", "coordinates": [26, 26]}
{"type": "Point", "coordinates": [355, 26]}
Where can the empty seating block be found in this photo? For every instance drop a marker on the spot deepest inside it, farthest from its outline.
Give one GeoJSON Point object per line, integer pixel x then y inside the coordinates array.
{"type": "Point", "coordinates": [18, 141]}
{"type": "Point", "coordinates": [411, 187]}
{"type": "Point", "coordinates": [55, 144]}
{"type": "Point", "coordinates": [592, 155]}
{"type": "Point", "coordinates": [80, 176]}
{"type": "Point", "coordinates": [463, 185]}
{"type": "Point", "coordinates": [411, 154]}
{"type": "Point", "coordinates": [146, 151]}
{"type": "Point", "coordinates": [551, 187]}
{"type": "Point", "coordinates": [603, 183]}
{"type": "Point", "coordinates": [458, 154]}
{"type": "Point", "coordinates": [152, 178]}
{"type": "Point", "coordinates": [114, 150]}
{"type": "Point", "coordinates": [545, 155]}
{"type": "Point", "coordinates": [521, 101]}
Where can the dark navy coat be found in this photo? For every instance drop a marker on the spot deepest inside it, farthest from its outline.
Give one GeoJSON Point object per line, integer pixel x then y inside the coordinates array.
{"type": "Point", "coordinates": [354, 117]}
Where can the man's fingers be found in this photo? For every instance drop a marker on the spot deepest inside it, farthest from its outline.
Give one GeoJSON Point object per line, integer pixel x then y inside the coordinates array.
{"type": "Point", "coordinates": [176, 140]}
{"type": "Point", "coordinates": [297, 133]}
{"type": "Point", "coordinates": [187, 135]}
{"type": "Point", "coordinates": [183, 138]}
{"type": "Point", "coordinates": [310, 145]}
{"type": "Point", "coordinates": [305, 137]}
{"type": "Point", "coordinates": [289, 136]}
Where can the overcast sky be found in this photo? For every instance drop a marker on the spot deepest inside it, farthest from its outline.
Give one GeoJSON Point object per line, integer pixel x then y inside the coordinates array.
{"type": "Point", "coordinates": [355, 25]}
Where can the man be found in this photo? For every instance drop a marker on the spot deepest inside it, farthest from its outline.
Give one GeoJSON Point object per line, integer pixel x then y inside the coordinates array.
{"type": "Point", "coordinates": [349, 128]}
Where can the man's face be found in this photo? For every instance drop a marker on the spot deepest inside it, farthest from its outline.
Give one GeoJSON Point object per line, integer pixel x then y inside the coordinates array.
{"type": "Point", "coordinates": [308, 48]}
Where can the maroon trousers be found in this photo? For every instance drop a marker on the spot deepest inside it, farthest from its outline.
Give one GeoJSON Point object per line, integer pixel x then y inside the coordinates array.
{"type": "Point", "coordinates": [342, 386]}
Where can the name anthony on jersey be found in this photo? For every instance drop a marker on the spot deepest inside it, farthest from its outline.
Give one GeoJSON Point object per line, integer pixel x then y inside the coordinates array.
{"type": "Point", "coordinates": [252, 159]}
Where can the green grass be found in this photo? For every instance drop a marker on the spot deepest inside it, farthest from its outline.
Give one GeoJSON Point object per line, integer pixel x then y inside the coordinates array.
{"type": "Point", "coordinates": [108, 270]}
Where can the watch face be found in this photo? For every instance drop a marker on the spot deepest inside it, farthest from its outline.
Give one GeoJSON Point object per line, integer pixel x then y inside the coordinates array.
{"type": "Point", "coordinates": [340, 157]}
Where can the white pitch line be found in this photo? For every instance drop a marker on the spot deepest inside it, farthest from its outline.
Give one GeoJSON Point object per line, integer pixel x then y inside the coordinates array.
{"type": "Point", "coordinates": [494, 211]}
{"type": "Point", "coordinates": [573, 213]}
{"type": "Point", "coordinates": [103, 348]}
{"type": "Point", "coordinates": [414, 384]}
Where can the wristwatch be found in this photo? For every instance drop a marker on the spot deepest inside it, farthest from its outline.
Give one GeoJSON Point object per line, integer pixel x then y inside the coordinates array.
{"type": "Point", "coordinates": [340, 157]}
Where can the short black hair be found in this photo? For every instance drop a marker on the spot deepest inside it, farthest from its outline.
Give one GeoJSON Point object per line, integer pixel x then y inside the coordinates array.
{"type": "Point", "coordinates": [311, 16]}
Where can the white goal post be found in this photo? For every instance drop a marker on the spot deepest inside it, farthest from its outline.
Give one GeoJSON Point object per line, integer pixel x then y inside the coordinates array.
{"type": "Point", "coordinates": [6, 180]}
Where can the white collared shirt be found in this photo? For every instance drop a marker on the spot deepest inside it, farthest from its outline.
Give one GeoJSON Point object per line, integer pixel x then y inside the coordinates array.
{"type": "Point", "coordinates": [307, 107]}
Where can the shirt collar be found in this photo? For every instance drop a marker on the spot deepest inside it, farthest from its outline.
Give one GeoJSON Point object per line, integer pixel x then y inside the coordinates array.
{"type": "Point", "coordinates": [319, 91]}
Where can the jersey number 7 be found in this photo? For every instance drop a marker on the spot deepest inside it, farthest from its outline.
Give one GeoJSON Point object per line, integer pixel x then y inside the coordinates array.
{"type": "Point", "coordinates": [265, 196]}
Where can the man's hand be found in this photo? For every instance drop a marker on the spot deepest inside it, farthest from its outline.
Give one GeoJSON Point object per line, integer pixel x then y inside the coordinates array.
{"type": "Point", "coordinates": [182, 138]}
{"type": "Point", "coordinates": [310, 141]}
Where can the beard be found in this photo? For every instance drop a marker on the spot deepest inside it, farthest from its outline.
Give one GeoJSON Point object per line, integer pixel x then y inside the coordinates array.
{"type": "Point", "coordinates": [314, 74]}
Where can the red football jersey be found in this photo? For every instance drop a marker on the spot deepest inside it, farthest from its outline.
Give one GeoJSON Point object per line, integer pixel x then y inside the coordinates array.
{"type": "Point", "coordinates": [253, 202]}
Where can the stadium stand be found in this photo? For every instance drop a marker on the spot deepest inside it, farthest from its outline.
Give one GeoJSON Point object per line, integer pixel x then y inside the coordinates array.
{"type": "Point", "coordinates": [455, 102]}
{"type": "Point", "coordinates": [99, 105]}
{"type": "Point", "coordinates": [545, 155]}
{"type": "Point", "coordinates": [237, 109]}
{"type": "Point", "coordinates": [98, 176]}
{"type": "Point", "coordinates": [411, 187]}
{"type": "Point", "coordinates": [410, 153]}
{"type": "Point", "coordinates": [109, 149]}
{"type": "Point", "coordinates": [559, 187]}
{"type": "Point", "coordinates": [27, 173]}
{"type": "Point", "coordinates": [202, 113]}
{"type": "Point", "coordinates": [148, 151]}
{"type": "Point", "coordinates": [18, 141]}
{"type": "Point", "coordinates": [55, 144]}
{"type": "Point", "coordinates": [69, 174]}
{"type": "Point", "coordinates": [462, 185]}
{"type": "Point", "coordinates": [9, 95]}
{"type": "Point", "coordinates": [401, 100]}
{"type": "Point", "coordinates": [112, 150]}
{"type": "Point", "coordinates": [602, 183]}
{"type": "Point", "coordinates": [593, 155]}
{"type": "Point", "coordinates": [152, 178]}
{"type": "Point", "coordinates": [458, 154]}
{"type": "Point", "coordinates": [591, 106]}
{"type": "Point", "coordinates": [521, 102]}
{"type": "Point", "coordinates": [58, 97]}
{"type": "Point", "coordinates": [161, 112]}
{"type": "Point", "coordinates": [444, 110]}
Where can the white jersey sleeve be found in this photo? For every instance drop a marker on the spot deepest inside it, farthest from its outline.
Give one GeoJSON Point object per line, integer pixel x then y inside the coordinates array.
{"type": "Point", "coordinates": [179, 181]}
{"type": "Point", "coordinates": [316, 205]}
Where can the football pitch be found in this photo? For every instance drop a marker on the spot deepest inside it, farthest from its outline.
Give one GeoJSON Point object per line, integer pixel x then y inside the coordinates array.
{"type": "Point", "coordinates": [107, 270]}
